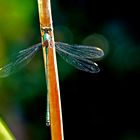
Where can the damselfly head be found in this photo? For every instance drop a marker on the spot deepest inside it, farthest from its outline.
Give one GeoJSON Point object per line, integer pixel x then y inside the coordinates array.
{"type": "Point", "coordinates": [46, 29]}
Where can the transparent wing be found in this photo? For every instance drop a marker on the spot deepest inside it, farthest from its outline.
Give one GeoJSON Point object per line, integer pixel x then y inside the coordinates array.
{"type": "Point", "coordinates": [82, 51]}
{"type": "Point", "coordinates": [81, 57]}
{"type": "Point", "coordinates": [19, 60]}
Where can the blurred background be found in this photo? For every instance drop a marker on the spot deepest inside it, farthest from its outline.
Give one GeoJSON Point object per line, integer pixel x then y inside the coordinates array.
{"type": "Point", "coordinates": [95, 106]}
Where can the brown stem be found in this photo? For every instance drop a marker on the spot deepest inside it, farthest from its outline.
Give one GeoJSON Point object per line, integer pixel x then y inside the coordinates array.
{"type": "Point", "coordinates": [53, 83]}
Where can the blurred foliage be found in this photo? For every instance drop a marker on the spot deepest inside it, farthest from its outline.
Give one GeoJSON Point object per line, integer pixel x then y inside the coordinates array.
{"type": "Point", "coordinates": [22, 95]}
{"type": "Point", "coordinates": [125, 53]}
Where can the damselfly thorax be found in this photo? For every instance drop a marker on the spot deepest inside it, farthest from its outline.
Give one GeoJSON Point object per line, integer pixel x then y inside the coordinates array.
{"type": "Point", "coordinates": [46, 35]}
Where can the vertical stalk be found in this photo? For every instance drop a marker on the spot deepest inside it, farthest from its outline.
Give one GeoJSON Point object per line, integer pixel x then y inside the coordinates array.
{"type": "Point", "coordinates": [51, 71]}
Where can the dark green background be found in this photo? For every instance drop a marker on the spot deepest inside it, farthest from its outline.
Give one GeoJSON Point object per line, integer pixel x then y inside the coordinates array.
{"type": "Point", "coordinates": [95, 106]}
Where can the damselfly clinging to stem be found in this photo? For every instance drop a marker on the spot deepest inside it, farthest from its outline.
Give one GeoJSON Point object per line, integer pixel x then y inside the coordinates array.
{"type": "Point", "coordinates": [80, 56]}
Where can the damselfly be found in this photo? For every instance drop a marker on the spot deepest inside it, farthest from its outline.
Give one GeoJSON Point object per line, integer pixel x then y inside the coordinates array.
{"type": "Point", "coordinates": [80, 56]}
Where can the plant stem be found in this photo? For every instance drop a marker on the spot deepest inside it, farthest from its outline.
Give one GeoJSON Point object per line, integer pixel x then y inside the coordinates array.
{"type": "Point", "coordinates": [51, 71]}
